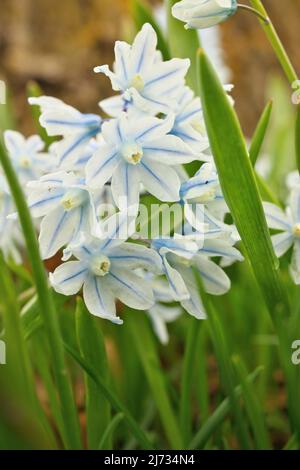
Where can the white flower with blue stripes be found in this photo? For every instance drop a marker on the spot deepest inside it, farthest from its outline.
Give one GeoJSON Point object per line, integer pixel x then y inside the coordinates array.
{"type": "Point", "coordinates": [27, 156]}
{"type": "Point", "coordinates": [142, 78]}
{"type": "Point", "coordinates": [105, 268]}
{"type": "Point", "coordinates": [66, 206]}
{"type": "Point", "coordinates": [198, 14]}
{"type": "Point", "coordinates": [136, 152]}
{"type": "Point", "coordinates": [288, 222]}
{"type": "Point", "coordinates": [77, 129]}
{"type": "Point", "coordinates": [179, 255]}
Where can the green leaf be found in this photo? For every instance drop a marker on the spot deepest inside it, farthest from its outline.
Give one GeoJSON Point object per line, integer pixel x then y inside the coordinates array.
{"type": "Point", "coordinates": [142, 14]}
{"type": "Point", "coordinates": [183, 43]}
{"type": "Point", "coordinates": [253, 407]}
{"type": "Point", "coordinates": [111, 397]}
{"type": "Point", "coordinates": [145, 346]}
{"type": "Point", "coordinates": [112, 426]}
{"type": "Point", "coordinates": [239, 186]}
{"type": "Point", "coordinates": [216, 419]}
{"type": "Point", "coordinates": [260, 133]}
{"type": "Point", "coordinates": [92, 349]}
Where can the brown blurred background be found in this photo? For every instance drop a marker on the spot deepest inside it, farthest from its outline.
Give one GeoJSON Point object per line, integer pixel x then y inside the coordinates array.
{"type": "Point", "coordinates": [58, 42]}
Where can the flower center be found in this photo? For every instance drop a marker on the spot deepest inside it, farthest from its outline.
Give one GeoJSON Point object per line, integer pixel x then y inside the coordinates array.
{"type": "Point", "coordinates": [132, 153]}
{"type": "Point", "coordinates": [137, 82]}
{"type": "Point", "coordinates": [74, 198]}
{"type": "Point", "coordinates": [25, 162]}
{"type": "Point", "coordinates": [100, 265]}
{"type": "Point", "coordinates": [296, 230]}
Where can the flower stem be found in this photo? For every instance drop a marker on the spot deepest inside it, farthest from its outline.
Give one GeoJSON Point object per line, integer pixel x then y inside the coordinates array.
{"type": "Point", "coordinates": [47, 309]}
{"type": "Point", "coordinates": [256, 12]}
{"type": "Point", "coordinates": [276, 43]}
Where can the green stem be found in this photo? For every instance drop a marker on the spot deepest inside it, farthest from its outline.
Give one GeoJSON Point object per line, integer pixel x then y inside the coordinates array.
{"type": "Point", "coordinates": [47, 308]}
{"type": "Point", "coordinates": [276, 43]}
{"type": "Point", "coordinates": [143, 341]}
{"type": "Point", "coordinates": [187, 379]}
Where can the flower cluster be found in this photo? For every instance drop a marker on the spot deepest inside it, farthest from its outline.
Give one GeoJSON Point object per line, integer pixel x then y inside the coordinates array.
{"type": "Point", "coordinates": [87, 190]}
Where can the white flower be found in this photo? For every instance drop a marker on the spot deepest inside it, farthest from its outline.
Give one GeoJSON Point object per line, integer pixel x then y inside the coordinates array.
{"type": "Point", "coordinates": [104, 267]}
{"type": "Point", "coordinates": [137, 152]}
{"type": "Point", "coordinates": [67, 208]}
{"type": "Point", "coordinates": [179, 255]}
{"type": "Point", "coordinates": [77, 129]}
{"type": "Point", "coordinates": [143, 79]}
{"type": "Point", "coordinates": [10, 234]}
{"type": "Point", "coordinates": [289, 224]}
{"type": "Point", "coordinates": [27, 157]}
{"type": "Point", "coordinates": [198, 14]}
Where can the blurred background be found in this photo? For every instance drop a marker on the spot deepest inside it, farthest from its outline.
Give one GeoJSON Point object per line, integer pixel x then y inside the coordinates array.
{"type": "Point", "coordinates": [57, 43]}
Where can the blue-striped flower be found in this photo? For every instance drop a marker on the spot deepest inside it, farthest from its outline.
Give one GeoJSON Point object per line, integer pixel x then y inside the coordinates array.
{"type": "Point", "coordinates": [179, 255]}
{"type": "Point", "coordinates": [198, 14]}
{"type": "Point", "coordinates": [288, 223]}
{"type": "Point", "coordinates": [105, 268]}
{"type": "Point", "coordinates": [27, 156]}
{"type": "Point", "coordinates": [138, 151]}
{"type": "Point", "coordinates": [67, 207]}
{"type": "Point", "coordinates": [143, 79]}
{"type": "Point", "coordinates": [77, 129]}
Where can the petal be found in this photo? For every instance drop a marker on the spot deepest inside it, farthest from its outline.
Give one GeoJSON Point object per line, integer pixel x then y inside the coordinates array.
{"type": "Point", "coordinates": [134, 256]}
{"type": "Point", "coordinates": [116, 230]}
{"type": "Point", "coordinates": [117, 82]}
{"type": "Point", "coordinates": [216, 247]}
{"type": "Point", "coordinates": [112, 131]}
{"type": "Point", "coordinates": [65, 122]}
{"type": "Point", "coordinates": [57, 229]}
{"type": "Point", "coordinates": [125, 186]}
{"type": "Point", "coordinates": [43, 201]}
{"type": "Point", "coordinates": [193, 138]}
{"type": "Point", "coordinates": [14, 142]}
{"type": "Point", "coordinates": [68, 278]}
{"type": "Point", "coordinates": [179, 246]}
{"type": "Point", "coordinates": [295, 204]}
{"type": "Point", "coordinates": [112, 106]}
{"type": "Point", "coordinates": [215, 280]}
{"type": "Point", "coordinates": [148, 129]}
{"type": "Point", "coordinates": [275, 216]}
{"type": "Point", "coordinates": [282, 243]}
{"type": "Point", "coordinates": [152, 104]}
{"type": "Point", "coordinates": [165, 76]}
{"type": "Point", "coordinates": [122, 62]}
{"type": "Point", "coordinates": [169, 150]}
{"type": "Point", "coordinates": [176, 282]}
{"type": "Point", "coordinates": [159, 316]}
{"type": "Point", "coordinates": [70, 149]}
{"type": "Point", "coordinates": [35, 144]}
{"type": "Point", "coordinates": [99, 299]}
{"type": "Point", "coordinates": [143, 50]}
{"type": "Point", "coordinates": [101, 166]}
{"type": "Point", "coordinates": [131, 289]}
{"type": "Point", "coordinates": [295, 263]}
{"type": "Point", "coordinates": [161, 182]}
{"type": "Point", "coordinates": [193, 305]}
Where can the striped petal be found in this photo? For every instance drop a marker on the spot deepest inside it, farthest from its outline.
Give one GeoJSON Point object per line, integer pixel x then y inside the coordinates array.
{"type": "Point", "coordinates": [282, 243]}
{"type": "Point", "coordinates": [57, 229]}
{"type": "Point", "coordinates": [64, 122]}
{"type": "Point", "coordinates": [216, 247]}
{"type": "Point", "coordinates": [215, 280]}
{"type": "Point", "coordinates": [276, 218]}
{"type": "Point", "coordinates": [165, 76]}
{"type": "Point", "coordinates": [69, 277]}
{"type": "Point", "coordinates": [101, 166]}
{"type": "Point", "coordinates": [134, 256]}
{"type": "Point", "coordinates": [116, 229]}
{"type": "Point", "coordinates": [117, 82]}
{"type": "Point", "coordinates": [164, 185]}
{"type": "Point", "coordinates": [131, 289]}
{"type": "Point", "coordinates": [176, 282]}
{"type": "Point", "coordinates": [99, 299]}
{"type": "Point", "coordinates": [169, 150]}
{"type": "Point", "coordinates": [193, 305]}
{"type": "Point", "coordinates": [125, 186]}
{"type": "Point", "coordinates": [143, 50]}
{"type": "Point", "coordinates": [43, 201]}
{"type": "Point", "coordinates": [147, 129]}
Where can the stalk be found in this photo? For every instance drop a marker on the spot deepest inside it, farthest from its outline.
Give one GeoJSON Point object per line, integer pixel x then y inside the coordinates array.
{"type": "Point", "coordinates": [47, 309]}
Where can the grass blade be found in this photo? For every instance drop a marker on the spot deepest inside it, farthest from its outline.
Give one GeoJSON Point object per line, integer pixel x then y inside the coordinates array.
{"type": "Point", "coordinates": [260, 133]}
{"type": "Point", "coordinates": [47, 308]}
{"type": "Point", "coordinates": [112, 426]}
{"type": "Point", "coordinates": [34, 90]}
{"type": "Point", "coordinates": [92, 349]}
{"type": "Point", "coordinates": [239, 186]}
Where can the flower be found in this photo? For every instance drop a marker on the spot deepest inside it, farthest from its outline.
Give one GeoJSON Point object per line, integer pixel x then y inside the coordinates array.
{"type": "Point", "coordinates": [104, 267]}
{"type": "Point", "coordinates": [198, 14]}
{"type": "Point", "coordinates": [77, 129]}
{"type": "Point", "coordinates": [67, 208]}
{"type": "Point", "coordinates": [179, 255]}
{"type": "Point", "coordinates": [289, 224]}
{"type": "Point", "coordinates": [10, 233]}
{"type": "Point", "coordinates": [144, 80]}
{"type": "Point", "coordinates": [137, 152]}
{"type": "Point", "coordinates": [27, 157]}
